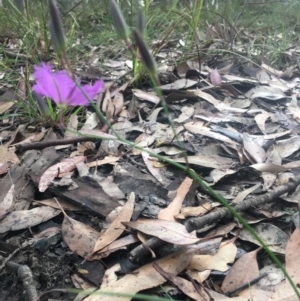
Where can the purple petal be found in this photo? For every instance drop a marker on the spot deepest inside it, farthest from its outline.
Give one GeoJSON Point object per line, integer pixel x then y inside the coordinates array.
{"type": "Point", "coordinates": [61, 88]}
{"type": "Point", "coordinates": [77, 98]}
{"type": "Point", "coordinates": [55, 85]}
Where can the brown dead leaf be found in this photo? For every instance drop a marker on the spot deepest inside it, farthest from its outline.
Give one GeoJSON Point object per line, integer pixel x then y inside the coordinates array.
{"type": "Point", "coordinates": [179, 84]}
{"type": "Point", "coordinates": [226, 254]}
{"type": "Point", "coordinates": [271, 93]}
{"type": "Point", "coordinates": [143, 140]}
{"type": "Point", "coordinates": [24, 219]}
{"type": "Point", "coordinates": [207, 161]}
{"type": "Point", "coordinates": [97, 134]}
{"type": "Point", "coordinates": [118, 245]}
{"type": "Point", "coordinates": [194, 211]}
{"type": "Point", "coordinates": [244, 270]}
{"type": "Point", "coordinates": [145, 277]}
{"type": "Point", "coordinates": [79, 237]}
{"type": "Point", "coordinates": [184, 285]}
{"type": "Point", "coordinates": [71, 130]}
{"type": "Point", "coordinates": [8, 202]}
{"type": "Point", "coordinates": [110, 276]}
{"type": "Point", "coordinates": [153, 170]}
{"type": "Point", "coordinates": [284, 292]}
{"type": "Point", "coordinates": [292, 258]}
{"type": "Point", "coordinates": [256, 152]}
{"type": "Point", "coordinates": [6, 105]}
{"type": "Point", "coordinates": [206, 96]}
{"type": "Point", "coordinates": [174, 207]}
{"type": "Point", "coordinates": [169, 231]}
{"type": "Point", "coordinates": [7, 154]}
{"type": "Point", "coordinates": [65, 165]}
{"type": "Point", "coordinates": [116, 228]}
{"type": "Point", "coordinates": [67, 205]}
{"type": "Point", "coordinates": [187, 112]}
{"type": "Point", "coordinates": [146, 96]}
{"type": "Point", "coordinates": [118, 103]}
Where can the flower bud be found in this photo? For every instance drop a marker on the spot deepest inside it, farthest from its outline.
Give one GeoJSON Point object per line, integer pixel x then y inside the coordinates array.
{"type": "Point", "coordinates": [141, 24]}
{"type": "Point", "coordinates": [118, 20]}
{"type": "Point", "coordinates": [56, 29]}
{"type": "Point", "coordinates": [144, 52]}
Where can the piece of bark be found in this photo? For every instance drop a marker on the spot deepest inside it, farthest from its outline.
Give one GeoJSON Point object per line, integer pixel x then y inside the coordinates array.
{"type": "Point", "coordinates": [32, 161]}
{"type": "Point", "coordinates": [140, 186]}
{"type": "Point", "coordinates": [89, 195]}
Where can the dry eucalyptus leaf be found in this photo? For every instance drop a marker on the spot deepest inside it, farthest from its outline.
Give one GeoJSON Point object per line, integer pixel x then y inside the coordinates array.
{"type": "Point", "coordinates": [7, 204]}
{"type": "Point", "coordinates": [24, 219]}
{"type": "Point", "coordinates": [226, 254]}
{"type": "Point", "coordinates": [292, 258]}
{"type": "Point", "coordinates": [187, 287]}
{"type": "Point", "coordinates": [194, 211]}
{"type": "Point", "coordinates": [7, 154]}
{"type": "Point", "coordinates": [207, 161]}
{"type": "Point", "coordinates": [145, 277]}
{"type": "Point", "coordinates": [179, 84]}
{"type": "Point", "coordinates": [79, 237]}
{"type": "Point", "coordinates": [65, 165]}
{"type": "Point", "coordinates": [174, 207]}
{"type": "Point", "coordinates": [116, 228]}
{"type": "Point", "coordinates": [243, 270]}
{"type": "Point", "coordinates": [270, 93]}
{"type": "Point", "coordinates": [273, 236]}
{"type": "Point", "coordinates": [146, 96]}
{"type": "Point", "coordinates": [165, 230]}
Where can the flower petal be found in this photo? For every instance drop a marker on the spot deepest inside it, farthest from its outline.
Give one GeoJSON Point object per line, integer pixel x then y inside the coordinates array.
{"type": "Point", "coordinates": [56, 85]}
{"type": "Point", "coordinates": [77, 98]}
{"type": "Point", "coordinates": [61, 88]}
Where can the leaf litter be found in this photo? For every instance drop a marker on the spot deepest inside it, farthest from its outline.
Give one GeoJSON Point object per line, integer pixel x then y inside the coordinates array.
{"type": "Point", "coordinates": [237, 126]}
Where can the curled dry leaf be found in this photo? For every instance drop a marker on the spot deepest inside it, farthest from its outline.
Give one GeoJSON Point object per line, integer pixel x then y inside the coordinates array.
{"type": "Point", "coordinates": [64, 166]}
{"type": "Point", "coordinates": [254, 149]}
{"type": "Point", "coordinates": [146, 96]}
{"type": "Point", "coordinates": [194, 211]}
{"type": "Point", "coordinates": [110, 276]}
{"type": "Point", "coordinates": [184, 285]}
{"type": "Point", "coordinates": [179, 84]}
{"type": "Point", "coordinates": [118, 245]}
{"type": "Point", "coordinates": [169, 231]}
{"type": "Point", "coordinates": [187, 112]}
{"type": "Point", "coordinates": [153, 170]}
{"type": "Point", "coordinates": [226, 254]}
{"type": "Point", "coordinates": [118, 103]}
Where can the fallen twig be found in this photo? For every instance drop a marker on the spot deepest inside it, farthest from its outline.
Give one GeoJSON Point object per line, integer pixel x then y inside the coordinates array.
{"type": "Point", "coordinates": [44, 144]}
{"type": "Point", "coordinates": [25, 275]}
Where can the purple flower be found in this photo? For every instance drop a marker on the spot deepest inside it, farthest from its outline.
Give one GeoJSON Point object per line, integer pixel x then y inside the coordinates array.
{"type": "Point", "coordinates": [61, 88]}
